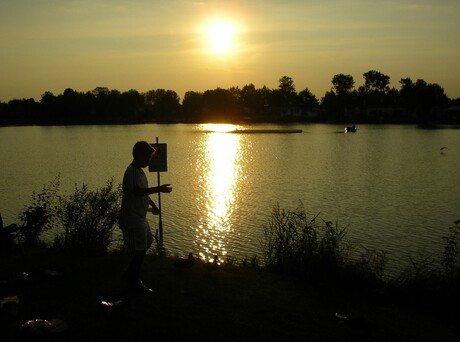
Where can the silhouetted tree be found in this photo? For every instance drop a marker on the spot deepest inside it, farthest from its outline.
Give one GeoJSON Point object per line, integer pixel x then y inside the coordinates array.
{"type": "Point", "coordinates": [421, 99]}
{"type": "Point", "coordinates": [131, 107]}
{"type": "Point", "coordinates": [376, 81]}
{"type": "Point", "coordinates": [6, 116]}
{"type": "Point", "coordinates": [236, 93]}
{"type": "Point", "coordinates": [287, 91]}
{"type": "Point", "coordinates": [25, 111]}
{"type": "Point", "coordinates": [100, 91]}
{"type": "Point", "coordinates": [308, 100]}
{"type": "Point", "coordinates": [71, 108]}
{"type": "Point", "coordinates": [373, 102]}
{"type": "Point", "coordinates": [342, 84]}
{"type": "Point", "coordinates": [337, 101]}
{"type": "Point", "coordinates": [252, 101]}
{"type": "Point", "coordinates": [220, 106]}
{"type": "Point", "coordinates": [192, 106]}
{"type": "Point", "coordinates": [163, 105]}
{"type": "Point", "coordinates": [48, 108]}
{"type": "Point", "coordinates": [372, 96]}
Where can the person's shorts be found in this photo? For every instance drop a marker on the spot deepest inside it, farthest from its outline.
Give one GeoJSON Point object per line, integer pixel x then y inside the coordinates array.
{"type": "Point", "coordinates": [136, 236]}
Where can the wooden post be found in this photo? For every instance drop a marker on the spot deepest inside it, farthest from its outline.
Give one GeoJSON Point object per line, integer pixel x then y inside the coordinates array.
{"type": "Point", "coordinates": [160, 223]}
{"type": "Point", "coordinates": [158, 164]}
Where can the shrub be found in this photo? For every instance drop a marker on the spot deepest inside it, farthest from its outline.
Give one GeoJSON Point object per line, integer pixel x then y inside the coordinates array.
{"type": "Point", "coordinates": [451, 255]}
{"type": "Point", "coordinates": [318, 249]}
{"type": "Point", "coordinates": [38, 216]}
{"type": "Point", "coordinates": [88, 218]}
{"type": "Point", "coordinates": [432, 281]}
{"type": "Point", "coordinates": [295, 243]}
{"type": "Point", "coordinates": [373, 261]}
{"type": "Point", "coordinates": [366, 270]}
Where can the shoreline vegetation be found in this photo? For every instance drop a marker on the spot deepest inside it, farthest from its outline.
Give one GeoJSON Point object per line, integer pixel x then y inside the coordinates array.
{"type": "Point", "coordinates": [416, 102]}
{"type": "Point", "coordinates": [59, 297]}
{"type": "Point", "coordinates": [311, 284]}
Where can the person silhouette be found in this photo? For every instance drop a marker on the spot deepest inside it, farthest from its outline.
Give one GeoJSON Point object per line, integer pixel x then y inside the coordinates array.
{"type": "Point", "coordinates": [137, 237]}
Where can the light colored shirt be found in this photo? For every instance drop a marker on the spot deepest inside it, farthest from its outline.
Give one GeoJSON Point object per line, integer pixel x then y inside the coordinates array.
{"type": "Point", "coordinates": [134, 207]}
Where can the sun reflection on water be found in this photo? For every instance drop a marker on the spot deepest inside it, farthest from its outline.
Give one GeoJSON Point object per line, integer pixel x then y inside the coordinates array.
{"type": "Point", "coordinates": [219, 175]}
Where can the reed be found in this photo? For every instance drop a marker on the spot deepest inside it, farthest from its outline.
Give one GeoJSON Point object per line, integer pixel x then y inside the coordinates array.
{"type": "Point", "coordinates": [313, 248]}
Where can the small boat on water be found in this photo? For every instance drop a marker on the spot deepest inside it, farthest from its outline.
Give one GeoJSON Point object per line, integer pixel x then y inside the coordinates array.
{"type": "Point", "coordinates": [250, 131]}
{"type": "Point", "coordinates": [351, 129]}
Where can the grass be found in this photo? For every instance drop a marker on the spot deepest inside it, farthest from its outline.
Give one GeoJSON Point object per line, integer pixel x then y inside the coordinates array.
{"type": "Point", "coordinates": [312, 287]}
{"type": "Point", "coordinates": [197, 304]}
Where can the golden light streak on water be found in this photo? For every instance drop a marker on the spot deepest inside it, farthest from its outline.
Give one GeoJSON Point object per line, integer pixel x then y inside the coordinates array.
{"type": "Point", "coordinates": [220, 171]}
{"type": "Point", "coordinates": [222, 128]}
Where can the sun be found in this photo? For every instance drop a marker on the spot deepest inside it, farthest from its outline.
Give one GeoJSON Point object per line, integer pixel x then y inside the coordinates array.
{"type": "Point", "coordinates": [221, 37]}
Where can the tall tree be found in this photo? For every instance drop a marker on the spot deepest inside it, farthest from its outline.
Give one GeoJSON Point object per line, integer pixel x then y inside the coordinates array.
{"type": "Point", "coordinates": [163, 104]}
{"type": "Point", "coordinates": [421, 99]}
{"type": "Point", "coordinates": [340, 98]}
{"type": "Point", "coordinates": [192, 106]}
{"type": "Point", "coordinates": [375, 80]}
{"type": "Point", "coordinates": [343, 84]}
{"type": "Point", "coordinates": [287, 91]}
{"type": "Point", "coordinates": [220, 105]}
{"type": "Point", "coordinates": [308, 100]}
{"type": "Point", "coordinates": [252, 100]}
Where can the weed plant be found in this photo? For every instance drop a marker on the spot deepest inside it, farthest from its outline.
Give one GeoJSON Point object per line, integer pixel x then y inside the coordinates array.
{"type": "Point", "coordinates": [317, 249]}
{"type": "Point", "coordinates": [82, 221]}
{"type": "Point", "coordinates": [451, 256]}
{"type": "Point", "coordinates": [88, 218]}
{"type": "Point", "coordinates": [293, 242]}
{"type": "Point", "coordinates": [432, 281]}
{"type": "Point", "coordinates": [297, 244]}
{"type": "Point", "coordinates": [40, 215]}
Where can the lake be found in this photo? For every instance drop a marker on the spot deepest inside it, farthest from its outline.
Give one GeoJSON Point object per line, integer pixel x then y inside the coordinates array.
{"type": "Point", "coordinates": [392, 186]}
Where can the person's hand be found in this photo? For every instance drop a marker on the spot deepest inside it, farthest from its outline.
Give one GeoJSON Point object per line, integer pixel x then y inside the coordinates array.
{"type": "Point", "coordinates": [155, 210]}
{"type": "Point", "coordinates": [165, 188]}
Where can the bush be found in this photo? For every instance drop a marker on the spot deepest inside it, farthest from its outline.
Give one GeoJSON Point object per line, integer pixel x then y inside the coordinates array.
{"type": "Point", "coordinates": [38, 216]}
{"type": "Point", "coordinates": [451, 255]}
{"type": "Point", "coordinates": [295, 243]}
{"type": "Point", "coordinates": [318, 249]}
{"type": "Point", "coordinates": [88, 218]}
{"type": "Point", "coordinates": [432, 268]}
{"type": "Point", "coordinates": [432, 282]}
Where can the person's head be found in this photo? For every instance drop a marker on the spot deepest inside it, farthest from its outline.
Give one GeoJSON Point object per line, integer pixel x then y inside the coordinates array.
{"type": "Point", "coordinates": [142, 152]}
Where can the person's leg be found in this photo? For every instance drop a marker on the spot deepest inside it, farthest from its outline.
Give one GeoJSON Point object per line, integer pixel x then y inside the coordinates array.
{"type": "Point", "coordinates": [134, 268]}
{"type": "Point", "coordinates": [134, 284]}
{"type": "Point", "coordinates": [138, 241]}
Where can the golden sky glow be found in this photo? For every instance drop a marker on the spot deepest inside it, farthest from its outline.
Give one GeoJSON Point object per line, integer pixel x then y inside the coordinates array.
{"type": "Point", "coordinates": [52, 45]}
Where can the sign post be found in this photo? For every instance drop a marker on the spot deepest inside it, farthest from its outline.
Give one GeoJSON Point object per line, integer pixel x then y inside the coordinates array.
{"type": "Point", "coordinates": [158, 164]}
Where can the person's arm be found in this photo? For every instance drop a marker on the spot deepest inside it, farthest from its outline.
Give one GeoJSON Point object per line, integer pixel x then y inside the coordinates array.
{"type": "Point", "coordinates": [165, 188]}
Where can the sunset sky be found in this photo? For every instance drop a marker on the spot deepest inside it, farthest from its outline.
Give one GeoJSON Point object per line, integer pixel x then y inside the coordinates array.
{"type": "Point", "coordinates": [51, 45]}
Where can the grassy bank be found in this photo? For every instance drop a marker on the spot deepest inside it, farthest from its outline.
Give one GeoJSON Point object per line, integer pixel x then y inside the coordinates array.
{"type": "Point", "coordinates": [228, 303]}
{"type": "Point", "coordinates": [314, 285]}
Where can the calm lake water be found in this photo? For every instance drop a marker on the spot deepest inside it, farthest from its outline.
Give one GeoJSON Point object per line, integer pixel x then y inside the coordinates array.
{"type": "Point", "coordinates": [390, 185]}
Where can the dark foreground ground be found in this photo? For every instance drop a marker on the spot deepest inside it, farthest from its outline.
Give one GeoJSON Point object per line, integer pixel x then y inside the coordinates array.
{"type": "Point", "coordinates": [196, 304]}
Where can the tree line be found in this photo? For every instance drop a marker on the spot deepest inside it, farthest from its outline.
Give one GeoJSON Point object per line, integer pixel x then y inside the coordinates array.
{"type": "Point", "coordinates": [372, 102]}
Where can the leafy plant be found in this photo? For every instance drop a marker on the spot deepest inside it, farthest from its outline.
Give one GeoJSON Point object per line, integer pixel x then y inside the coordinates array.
{"type": "Point", "coordinates": [318, 249]}
{"type": "Point", "coordinates": [40, 215]}
{"type": "Point", "coordinates": [450, 258]}
{"type": "Point", "coordinates": [295, 243]}
{"type": "Point", "coordinates": [88, 218]}
{"type": "Point", "coordinates": [375, 261]}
